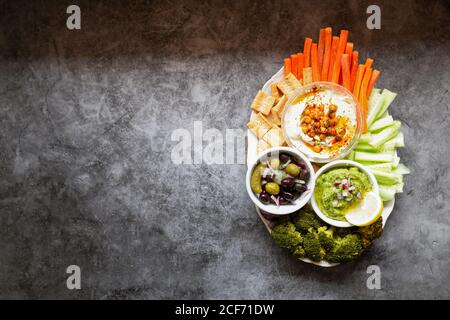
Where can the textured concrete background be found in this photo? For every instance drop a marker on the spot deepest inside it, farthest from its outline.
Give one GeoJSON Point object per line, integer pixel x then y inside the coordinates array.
{"type": "Point", "coordinates": [85, 171]}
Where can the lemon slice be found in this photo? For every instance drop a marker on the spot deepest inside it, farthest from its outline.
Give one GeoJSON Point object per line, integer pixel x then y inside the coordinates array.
{"type": "Point", "coordinates": [367, 211]}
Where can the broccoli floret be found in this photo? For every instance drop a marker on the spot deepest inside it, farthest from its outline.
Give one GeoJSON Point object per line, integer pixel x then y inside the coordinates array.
{"type": "Point", "coordinates": [345, 249]}
{"type": "Point", "coordinates": [312, 247]}
{"type": "Point", "coordinates": [286, 236]}
{"type": "Point", "coordinates": [342, 232]}
{"type": "Point", "coordinates": [325, 237]}
{"type": "Point", "coordinates": [370, 233]}
{"type": "Point", "coordinates": [306, 219]}
{"type": "Point", "coordinates": [299, 252]}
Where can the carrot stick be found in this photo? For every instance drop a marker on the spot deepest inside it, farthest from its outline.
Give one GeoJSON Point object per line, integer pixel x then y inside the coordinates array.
{"type": "Point", "coordinates": [359, 77]}
{"type": "Point", "coordinates": [334, 45]}
{"type": "Point", "coordinates": [340, 51]}
{"type": "Point", "coordinates": [354, 68]}
{"type": "Point", "coordinates": [369, 63]}
{"type": "Point", "coordinates": [321, 48]}
{"type": "Point", "coordinates": [294, 64]}
{"type": "Point", "coordinates": [307, 51]}
{"type": "Point", "coordinates": [345, 63]}
{"type": "Point", "coordinates": [287, 66]}
{"type": "Point", "coordinates": [326, 55]}
{"type": "Point", "coordinates": [373, 79]}
{"type": "Point", "coordinates": [301, 62]}
{"type": "Point", "coordinates": [315, 62]}
{"type": "Point", "coordinates": [363, 94]}
{"type": "Point", "coordinates": [349, 48]}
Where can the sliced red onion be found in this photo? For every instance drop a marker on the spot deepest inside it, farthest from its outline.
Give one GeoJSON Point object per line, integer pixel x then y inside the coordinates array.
{"type": "Point", "coordinates": [284, 165]}
{"type": "Point", "coordinates": [276, 200]}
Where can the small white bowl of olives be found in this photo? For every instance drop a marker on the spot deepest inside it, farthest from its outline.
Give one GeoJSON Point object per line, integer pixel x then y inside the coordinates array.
{"type": "Point", "coordinates": [280, 181]}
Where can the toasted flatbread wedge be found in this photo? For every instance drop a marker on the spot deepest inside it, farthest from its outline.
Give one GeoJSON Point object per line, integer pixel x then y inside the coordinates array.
{"type": "Point", "coordinates": [274, 137]}
{"type": "Point", "coordinates": [253, 115]}
{"type": "Point", "coordinates": [259, 126]}
{"type": "Point", "coordinates": [261, 146]}
{"type": "Point", "coordinates": [307, 75]}
{"type": "Point", "coordinates": [278, 109]}
{"type": "Point", "coordinates": [274, 119]}
{"type": "Point", "coordinates": [290, 85]}
{"type": "Point", "coordinates": [276, 93]}
{"type": "Point", "coordinates": [263, 102]}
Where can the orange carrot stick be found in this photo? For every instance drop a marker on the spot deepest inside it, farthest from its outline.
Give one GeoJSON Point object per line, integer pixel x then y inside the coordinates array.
{"type": "Point", "coordinates": [287, 66]}
{"type": "Point", "coordinates": [373, 79]}
{"type": "Point", "coordinates": [359, 77]}
{"type": "Point", "coordinates": [307, 51]}
{"type": "Point", "coordinates": [301, 63]}
{"type": "Point", "coordinates": [321, 48]}
{"type": "Point", "coordinates": [363, 94]}
{"type": "Point", "coordinates": [315, 62]}
{"type": "Point", "coordinates": [334, 46]}
{"type": "Point", "coordinates": [349, 48]}
{"type": "Point", "coordinates": [337, 62]}
{"type": "Point", "coordinates": [369, 63]}
{"type": "Point", "coordinates": [354, 68]}
{"type": "Point", "coordinates": [294, 64]}
{"type": "Point", "coordinates": [326, 55]}
{"type": "Point", "coordinates": [345, 63]}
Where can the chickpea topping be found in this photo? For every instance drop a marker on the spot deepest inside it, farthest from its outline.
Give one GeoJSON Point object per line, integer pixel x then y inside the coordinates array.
{"type": "Point", "coordinates": [307, 119]}
{"type": "Point", "coordinates": [317, 149]}
{"type": "Point", "coordinates": [320, 125]}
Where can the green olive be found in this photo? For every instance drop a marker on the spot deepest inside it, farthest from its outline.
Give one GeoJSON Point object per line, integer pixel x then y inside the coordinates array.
{"type": "Point", "coordinates": [275, 163]}
{"type": "Point", "coordinates": [293, 169]}
{"type": "Point", "coordinates": [272, 188]}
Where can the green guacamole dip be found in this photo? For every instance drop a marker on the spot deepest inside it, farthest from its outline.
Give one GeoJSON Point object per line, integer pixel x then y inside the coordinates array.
{"type": "Point", "coordinates": [339, 189]}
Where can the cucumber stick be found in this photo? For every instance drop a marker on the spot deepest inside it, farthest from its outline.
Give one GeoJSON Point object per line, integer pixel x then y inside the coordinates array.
{"type": "Point", "coordinates": [387, 192]}
{"type": "Point", "coordinates": [386, 167]}
{"type": "Point", "coordinates": [378, 105]}
{"type": "Point", "coordinates": [374, 157]}
{"type": "Point", "coordinates": [387, 178]}
{"type": "Point", "coordinates": [381, 124]}
{"type": "Point", "coordinates": [402, 169]}
{"type": "Point", "coordinates": [377, 140]}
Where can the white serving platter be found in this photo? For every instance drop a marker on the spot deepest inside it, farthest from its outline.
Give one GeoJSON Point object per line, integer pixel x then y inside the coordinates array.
{"type": "Point", "coordinates": [252, 142]}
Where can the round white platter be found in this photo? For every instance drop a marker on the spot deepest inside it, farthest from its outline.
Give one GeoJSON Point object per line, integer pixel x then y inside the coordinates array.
{"type": "Point", "coordinates": [252, 142]}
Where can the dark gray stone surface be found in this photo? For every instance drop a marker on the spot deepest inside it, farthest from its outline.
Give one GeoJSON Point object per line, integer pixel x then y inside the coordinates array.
{"type": "Point", "coordinates": [85, 172]}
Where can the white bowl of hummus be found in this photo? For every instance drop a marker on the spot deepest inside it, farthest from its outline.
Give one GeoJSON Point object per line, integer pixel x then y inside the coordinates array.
{"type": "Point", "coordinates": [324, 121]}
{"type": "Point", "coordinates": [339, 186]}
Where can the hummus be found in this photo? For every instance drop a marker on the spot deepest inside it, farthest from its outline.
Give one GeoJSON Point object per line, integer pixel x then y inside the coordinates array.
{"type": "Point", "coordinates": [337, 190]}
{"type": "Point", "coordinates": [321, 123]}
